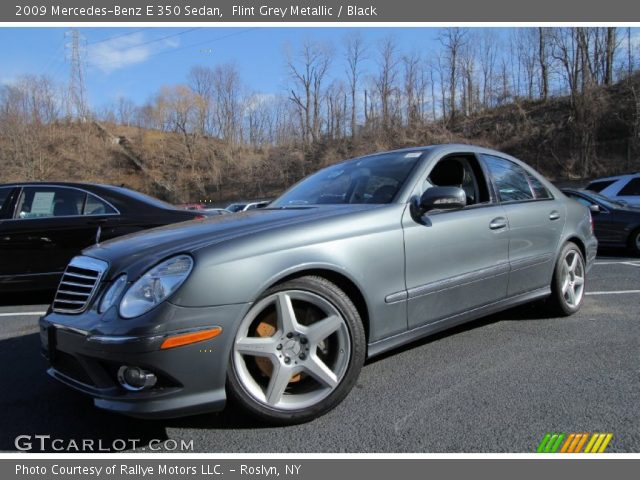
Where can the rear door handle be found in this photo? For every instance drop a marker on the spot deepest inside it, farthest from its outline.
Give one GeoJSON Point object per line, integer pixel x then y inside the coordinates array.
{"type": "Point", "coordinates": [554, 215]}
{"type": "Point", "coordinates": [498, 223]}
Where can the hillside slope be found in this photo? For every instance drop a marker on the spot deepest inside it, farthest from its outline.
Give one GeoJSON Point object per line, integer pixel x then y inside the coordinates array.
{"type": "Point", "coordinates": [562, 138]}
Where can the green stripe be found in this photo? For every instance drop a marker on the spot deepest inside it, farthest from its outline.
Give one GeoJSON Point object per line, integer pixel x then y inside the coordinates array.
{"type": "Point", "coordinates": [543, 443]}
{"type": "Point", "coordinates": [558, 443]}
{"type": "Point", "coordinates": [550, 443]}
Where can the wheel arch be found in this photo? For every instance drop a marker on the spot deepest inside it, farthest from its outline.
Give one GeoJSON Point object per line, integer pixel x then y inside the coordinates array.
{"type": "Point", "coordinates": [342, 281]}
{"type": "Point", "coordinates": [578, 241]}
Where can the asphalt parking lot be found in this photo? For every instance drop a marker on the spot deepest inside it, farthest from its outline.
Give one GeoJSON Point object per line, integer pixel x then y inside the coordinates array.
{"type": "Point", "coordinates": [494, 385]}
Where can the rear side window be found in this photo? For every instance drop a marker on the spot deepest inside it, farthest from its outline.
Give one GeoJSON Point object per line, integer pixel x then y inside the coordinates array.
{"type": "Point", "coordinates": [632, 188]}
{"type": "Point", "coordinates": [43, 202]}
{"type": "Point", "coordinates": [599, 185]}
{"type": "Point", "coordinates": [510, 179]}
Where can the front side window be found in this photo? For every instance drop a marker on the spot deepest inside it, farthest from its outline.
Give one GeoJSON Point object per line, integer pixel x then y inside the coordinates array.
{"type": "Point", "coordinates": [510, 179]}
{"type": "Point", "coordinates": [375, 179]}
{"type": "Point", "coordinates": [462, 171]}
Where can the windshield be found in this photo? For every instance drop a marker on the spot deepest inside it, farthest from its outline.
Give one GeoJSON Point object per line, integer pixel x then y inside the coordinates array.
{"type": "Point", "coordinates": [236, 207]}
{"type": "Point", "coordinates": [375, 179]}
{"type": "Point", "coordinates": [606, 201]}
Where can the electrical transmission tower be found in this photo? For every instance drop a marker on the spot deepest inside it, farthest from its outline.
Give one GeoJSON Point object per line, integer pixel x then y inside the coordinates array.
{"type": "Point", "coordinates": [76, 105]}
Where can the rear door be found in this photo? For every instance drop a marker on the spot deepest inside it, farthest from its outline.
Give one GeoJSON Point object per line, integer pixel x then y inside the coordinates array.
{"type": "Point", "coordinates": [536, 221]}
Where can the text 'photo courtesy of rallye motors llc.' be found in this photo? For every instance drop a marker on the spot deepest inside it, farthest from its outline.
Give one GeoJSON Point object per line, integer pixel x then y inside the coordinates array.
{"type": "Point", "coordinates": [241, 238]}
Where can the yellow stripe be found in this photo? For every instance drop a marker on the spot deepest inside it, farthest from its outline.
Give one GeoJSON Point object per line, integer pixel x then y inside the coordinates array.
{"type": "Point", "coordinates": [607, 439]}
{"type": "Point", "coordinates": [594, 437]}
{"type": "Point", "coordinates": [582, 440]}
{"type": "Point", "coordinates": [567, 442]}
{"type": "Point", "coordinates": [596, 445]}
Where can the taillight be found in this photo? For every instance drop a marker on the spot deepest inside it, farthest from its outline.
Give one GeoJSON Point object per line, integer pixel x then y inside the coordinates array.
{"type": "Point", "coordinates": [199, 217]}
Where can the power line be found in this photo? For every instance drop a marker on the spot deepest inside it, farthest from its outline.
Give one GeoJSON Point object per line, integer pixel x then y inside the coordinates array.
{"type": "Point", "coordinates": [138, 45]}
{"type": "Point", "coordinates": [167, 52]}
{"type": "Point", "coordinates": [118, 36]}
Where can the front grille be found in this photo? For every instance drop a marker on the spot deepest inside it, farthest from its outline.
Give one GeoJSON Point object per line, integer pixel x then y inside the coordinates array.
{"type": "Point", "coordinates": [78, 284]}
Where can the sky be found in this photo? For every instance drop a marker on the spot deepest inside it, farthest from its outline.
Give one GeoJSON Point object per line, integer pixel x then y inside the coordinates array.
{"type": "Point", "coordinates": [135, 62]}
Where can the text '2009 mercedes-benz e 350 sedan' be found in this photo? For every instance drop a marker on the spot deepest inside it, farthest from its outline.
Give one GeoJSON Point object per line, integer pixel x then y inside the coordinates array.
{"type": "Point", "coordinates": [279, 307]}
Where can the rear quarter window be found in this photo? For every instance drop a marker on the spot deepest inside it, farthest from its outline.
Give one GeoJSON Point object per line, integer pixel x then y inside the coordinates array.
{"type": "Point", "coordinates": [600, 185]}
{"type": "Point", "coordinates": [631, 189]}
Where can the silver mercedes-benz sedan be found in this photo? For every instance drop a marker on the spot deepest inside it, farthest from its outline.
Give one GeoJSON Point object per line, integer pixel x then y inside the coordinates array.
{"type": "Point", "coordinates": [280, 307]}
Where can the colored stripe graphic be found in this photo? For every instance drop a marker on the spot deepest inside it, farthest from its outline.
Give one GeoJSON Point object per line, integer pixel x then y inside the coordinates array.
{"type": "Point", "coordinates": [554, 442]}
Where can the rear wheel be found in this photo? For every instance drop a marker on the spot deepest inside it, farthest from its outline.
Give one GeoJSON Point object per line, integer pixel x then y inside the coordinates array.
{"type": "Point", "coordinates": [297, 352]}
{"type": "Point", "coordinates": [568, 284]}
{"type": "Point", "coordinates": [634, 242]}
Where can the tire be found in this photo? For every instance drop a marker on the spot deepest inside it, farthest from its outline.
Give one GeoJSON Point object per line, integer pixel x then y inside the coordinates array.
{"type": "Point", "coordinates": [569, 280]}
{"type": "Point", "coordinates": [297, 352]}
{"type": "Point", "coordinates": [634, 242]}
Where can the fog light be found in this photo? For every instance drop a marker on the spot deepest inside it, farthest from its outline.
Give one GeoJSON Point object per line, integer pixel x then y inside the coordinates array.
{"type": "Point", "coordinates": [135, 378]}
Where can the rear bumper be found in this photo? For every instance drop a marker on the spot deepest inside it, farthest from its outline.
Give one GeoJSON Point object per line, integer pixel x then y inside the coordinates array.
{"type": "Point", "coordinates": [191, 378]}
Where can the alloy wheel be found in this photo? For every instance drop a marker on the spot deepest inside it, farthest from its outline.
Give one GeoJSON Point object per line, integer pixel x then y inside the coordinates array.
{"type": "Point", "coordinates": [572, 278]}
{"type": "Point", "coordinates": [292, 350]}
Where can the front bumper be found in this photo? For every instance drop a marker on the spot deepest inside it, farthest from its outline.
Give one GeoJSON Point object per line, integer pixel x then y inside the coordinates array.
{"type": "Point", "coordinates": [85, 352]}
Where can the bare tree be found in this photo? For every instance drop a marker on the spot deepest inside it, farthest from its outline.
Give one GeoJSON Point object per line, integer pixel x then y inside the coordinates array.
{"type": "Point", "coordinates": [201, 81]}
{"type": "Point", "coordinates": [308, 70]}
{"type": "Point", "coordinates": [452, 40]}
{"type": "Point", "coordinates": [355, 54]}
{"type": "Point", "coordinates": [386, 78]}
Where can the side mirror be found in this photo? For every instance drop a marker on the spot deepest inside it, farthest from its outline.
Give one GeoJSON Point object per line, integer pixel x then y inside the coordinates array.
{"type": "Point", "coordinates": [441, 198]}
{"type": "Point", "coordinates": [594, 208]}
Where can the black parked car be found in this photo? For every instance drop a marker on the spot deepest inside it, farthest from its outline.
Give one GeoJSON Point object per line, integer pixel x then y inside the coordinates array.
{"type": "Point", "coordinates": [615, 224]}
{"type": "Point", "coordinates": [44, 225]}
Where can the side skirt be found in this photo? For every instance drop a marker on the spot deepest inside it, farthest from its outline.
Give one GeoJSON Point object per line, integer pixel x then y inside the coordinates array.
{"type": "Point", "coordinates": [386, 344]}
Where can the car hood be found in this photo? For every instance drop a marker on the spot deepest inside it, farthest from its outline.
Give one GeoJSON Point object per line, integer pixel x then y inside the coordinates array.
{"type": "Point", "coordinates": [136, 252]}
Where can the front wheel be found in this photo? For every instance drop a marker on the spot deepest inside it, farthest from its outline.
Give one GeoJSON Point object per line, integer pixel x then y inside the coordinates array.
{"type": "Point", "coordinates": [297, 352]}
{"type": "Point", "coordinates": [568, 284]}
{"type": "Point", "coordinates": [634, 242]}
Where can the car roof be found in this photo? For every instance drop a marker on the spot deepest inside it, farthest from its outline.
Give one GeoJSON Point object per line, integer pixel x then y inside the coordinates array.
{"type": "Point", "coordinates": [616, 177]}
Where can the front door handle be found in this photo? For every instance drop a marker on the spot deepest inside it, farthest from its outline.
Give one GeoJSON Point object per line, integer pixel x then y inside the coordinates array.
{"type": "Point", "coordinates": [554, 215]}
{"type": "Point", "coordinates": [498, 223]}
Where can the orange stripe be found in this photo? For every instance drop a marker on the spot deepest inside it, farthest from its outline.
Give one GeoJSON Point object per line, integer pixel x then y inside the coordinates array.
{"type": "Point", "coordinates": [582, 442]}
{"type": "Point", "coordinates": [576, 439]}
{"type": "Point", "coordinates": [188, 338]}
{"type": "Point", "coordinates": [567, 442]}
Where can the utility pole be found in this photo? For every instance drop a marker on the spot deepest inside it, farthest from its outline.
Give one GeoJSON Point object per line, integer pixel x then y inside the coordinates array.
{"type": "Point", "coordinates": [76, 106]}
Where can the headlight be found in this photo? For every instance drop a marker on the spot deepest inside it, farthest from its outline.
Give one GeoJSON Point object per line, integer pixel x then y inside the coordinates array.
{"type": "Point", "coordinates": [113, 293]}
{"type": "Point", "coordinates": [155, 286]}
